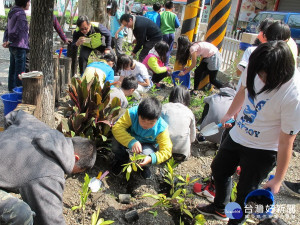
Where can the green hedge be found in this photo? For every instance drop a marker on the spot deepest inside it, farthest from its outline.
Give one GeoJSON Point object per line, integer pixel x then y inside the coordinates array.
{"type": "Point", "coordinates": [3, 20]}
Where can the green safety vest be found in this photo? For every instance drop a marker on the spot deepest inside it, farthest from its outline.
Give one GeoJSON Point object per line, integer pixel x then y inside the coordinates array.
{"type": "Point", "coordinates": [96, 38]}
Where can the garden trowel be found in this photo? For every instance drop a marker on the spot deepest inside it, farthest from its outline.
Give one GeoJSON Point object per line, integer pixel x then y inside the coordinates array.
{"type": "Point", "coordinates": [213, 128]}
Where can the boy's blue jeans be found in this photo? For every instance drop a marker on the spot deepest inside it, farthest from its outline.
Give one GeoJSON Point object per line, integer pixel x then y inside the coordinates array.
{"type": "Point", "coordinates": [255, 166]}
{"type": "Point", "coordinates": [16, 66]}
{"type": "Point", "coordinates": [14, 211]}
{"type": "Point", "coordinates": [122, 156]}
{"type": "Point", "coordinates": [169, 39]}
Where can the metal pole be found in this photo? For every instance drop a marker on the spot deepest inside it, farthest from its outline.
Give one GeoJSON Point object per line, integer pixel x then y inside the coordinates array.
{"type": "Point", "coordinates": [216, 29]}
{"type": "Point", "coordinates": [189, 23]}
{"type": "Point", "coordinates": [217, 22]}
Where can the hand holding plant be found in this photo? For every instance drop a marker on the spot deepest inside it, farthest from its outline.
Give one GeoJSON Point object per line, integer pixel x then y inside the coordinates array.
{"type": "Point", "coordinates": [133, 165]}
{"type": "Point", "coordinates": [146, 161]}
{"type": "Point", "coordinates": [137, 147]}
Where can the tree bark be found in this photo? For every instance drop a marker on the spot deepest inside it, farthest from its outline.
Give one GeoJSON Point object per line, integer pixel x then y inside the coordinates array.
{"type": "Point", "coordinates": [56, 77]}
{"type": "Point", "coordinates": [41, 51]}
{"type": "Point", "coordinates": [33, 94]}
{"type": "Point", "coordinates": [94, 9]}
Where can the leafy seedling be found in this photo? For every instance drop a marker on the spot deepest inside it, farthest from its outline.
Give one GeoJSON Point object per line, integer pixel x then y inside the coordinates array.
{"type": "Point", "coordinates": [200, 220]}
{"type": "Point", "coordinates": [187, 181]}
{"type": "Point", "coordinates": [96, 221]}
{"type": "Point", "coordinates": [84, 193]}
{"type": "Point", "coordinates": [154, 213]}
{"type": "Point", "coordinates": [133, 165]}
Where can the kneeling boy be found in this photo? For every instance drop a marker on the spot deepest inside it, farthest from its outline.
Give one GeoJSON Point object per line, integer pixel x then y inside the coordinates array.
{"type": "Point", "coordinates": [142, 130]}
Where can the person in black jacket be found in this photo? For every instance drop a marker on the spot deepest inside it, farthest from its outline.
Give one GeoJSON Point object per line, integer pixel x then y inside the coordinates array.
{"type": "Point", "coordinates": [89, 36]}
{"type": "Point", "coordinates": [145, 31]}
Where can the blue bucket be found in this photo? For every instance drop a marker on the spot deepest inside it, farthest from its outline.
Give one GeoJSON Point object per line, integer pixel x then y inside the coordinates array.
{"type": "Point", "coordinates": [64, 52]}
{"type": "Point", "coordinates": [182, 80]}
{"type": "Point", "coordinates": [266, 193]}
{"type": "Point", "coordinates": [244, 46]}
{"type": "Point", "coordinates": [10, 101]}
{"type": "Point", "coordinates": [19, 91]}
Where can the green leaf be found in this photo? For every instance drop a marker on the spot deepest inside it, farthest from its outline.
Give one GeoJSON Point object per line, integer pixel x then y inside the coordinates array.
{"type": "Point", "coordinates": [95, 217]}
{"type": "Point", "coordinates": [151, 196]}
{"type": "Point", "coordinates": [181, 178]}
{"type": "Point", "coordinates": [104, 138]}
{"type": "Point", "coordinates": [176, 193]}
{"type": "Point", "coordinates": [107, 222]}
{"type": "Point", "coordinates": [125, 168]}
{"type": "Point", "coordinates": [134, 167]}
{"type": "Point", "coordinates": [100, 221]}
{"type": "Point", "coordinates": [129, 169]}
{"type": "Point", "coordinates": [194, 180]}
{"type": "Point", "coordinates": [154, 213]}
{"type": "Point", "coordinates": [75, 207]}
{"type": "Point", "coordinates": [168, 182]}
{"type": "Point", "coordinates": [127, 176]}
{"type": "Point", "coordinates": [188, 213]}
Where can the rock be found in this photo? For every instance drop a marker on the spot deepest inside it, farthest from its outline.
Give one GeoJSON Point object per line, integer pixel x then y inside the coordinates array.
{"type": "Point", "coordinates": [131, 216]}
{"type": "Point", "coordinates": [124, 198]}
{"type": "Point", "coordinates": [210, 153]}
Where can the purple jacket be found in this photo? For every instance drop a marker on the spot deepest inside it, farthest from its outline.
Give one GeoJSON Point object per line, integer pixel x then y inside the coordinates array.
{"type": "Point", "coordinates": [16, 31]}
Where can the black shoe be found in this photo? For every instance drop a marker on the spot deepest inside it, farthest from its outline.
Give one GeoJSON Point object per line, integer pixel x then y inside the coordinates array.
{"type": "Point", "coordinates": [200, 138]}
{"type": "Point", "coordinates": [210, 210]}
{"type": "Point", "coordinates": [162, 85]}
{"type": "Point", "coordinates": [146, 173]}
{"type": "Point", "coordinates": [193, 93]}
{"type": "Point", "coordinates": [292, 188]}
{"type": "Point", "coordinates": [116, 168]}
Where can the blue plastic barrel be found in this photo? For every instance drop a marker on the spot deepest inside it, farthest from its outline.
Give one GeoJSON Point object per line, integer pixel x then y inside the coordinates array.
{"type": "Point", "coordinates": [64, 52]}
{"type": "Point", "coordinates": [244, 46]}
{"type": "Point", "coordinates": [182, 80]}
{"type": "Point", "coordinates": [10, 101]}
{"type": "Point", "coordinates": [19, 91]}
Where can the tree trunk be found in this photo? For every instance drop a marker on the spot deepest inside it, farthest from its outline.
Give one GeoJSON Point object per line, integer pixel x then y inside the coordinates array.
{"type": "Point", "coordinates": [41, 51]}
{"type": "Point", "coordinates": [94, 9]}
{"type": "Point", "coordinates": [33, 94]}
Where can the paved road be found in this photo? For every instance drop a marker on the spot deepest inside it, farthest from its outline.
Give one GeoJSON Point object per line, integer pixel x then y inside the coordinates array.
{"type": "Point", "coordinates": [4, 64]}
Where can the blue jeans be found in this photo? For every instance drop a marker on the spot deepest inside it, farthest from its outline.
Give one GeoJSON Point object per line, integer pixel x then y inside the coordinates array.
{"type": "Point", "coordinates": [14, 211]}
{"type": "Point", "coordinates": [122, 156]}
{"type": "Point", "coordinates": [169, 39]}
{"type": "Point", "coordinates": [16, 66]}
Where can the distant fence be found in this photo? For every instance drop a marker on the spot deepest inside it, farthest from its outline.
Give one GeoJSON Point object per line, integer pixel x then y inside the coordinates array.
{"type": "Point", "coordinates": [230, 47]}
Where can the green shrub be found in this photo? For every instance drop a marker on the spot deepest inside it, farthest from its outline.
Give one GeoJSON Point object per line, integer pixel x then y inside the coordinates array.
{"type": "Point", "coordinates": [92, 113]}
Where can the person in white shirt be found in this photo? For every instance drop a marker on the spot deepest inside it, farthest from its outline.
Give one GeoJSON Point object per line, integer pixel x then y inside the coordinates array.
{"type": "Point", "coordinates": [130, 67]}
{"type": "Point", "coordinates": [181, 121]}
{"type": "Point", "coordinates": [268, 103]}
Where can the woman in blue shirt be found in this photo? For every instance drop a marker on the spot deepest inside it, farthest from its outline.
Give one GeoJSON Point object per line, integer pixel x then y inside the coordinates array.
{"type": "Point", "coordinates": [115, 24]}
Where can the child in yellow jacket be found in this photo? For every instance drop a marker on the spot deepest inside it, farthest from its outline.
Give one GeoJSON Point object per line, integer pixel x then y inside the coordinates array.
{"type": "Point", "coordinates": [142, 130]}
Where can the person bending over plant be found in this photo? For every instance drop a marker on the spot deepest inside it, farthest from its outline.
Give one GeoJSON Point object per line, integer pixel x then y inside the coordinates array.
{"type": "Point", "coordinates": [142, 131]}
